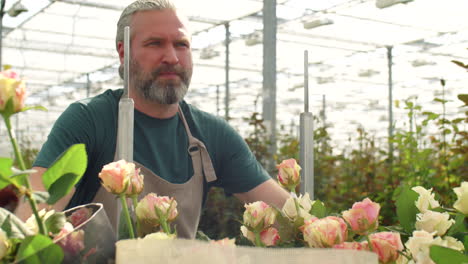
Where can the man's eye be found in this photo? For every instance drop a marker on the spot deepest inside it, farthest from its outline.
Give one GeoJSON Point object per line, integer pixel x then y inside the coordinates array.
{"type": "Point", "coordinates": [182, 44]}
{"type": "Point", "coordinates": [155, 43]}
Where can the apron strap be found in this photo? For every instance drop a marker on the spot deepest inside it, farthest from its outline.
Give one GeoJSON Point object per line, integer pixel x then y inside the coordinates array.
{"type": "Point", "coordinates": [195, 147]}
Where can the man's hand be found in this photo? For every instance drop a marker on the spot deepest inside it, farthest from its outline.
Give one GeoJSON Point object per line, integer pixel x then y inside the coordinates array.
{"type": "Point", "coordinates": [269, 192]}
{"type": "Point", "coordinates": [23, 211]}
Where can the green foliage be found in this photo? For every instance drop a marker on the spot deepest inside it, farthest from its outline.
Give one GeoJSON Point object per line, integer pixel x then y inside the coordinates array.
{"type": "Point", "coordinates": [406, 209]}
{"type": "Point", "coordinates": [39, 249]}
{"type": "Point", "coordinates": [443, 255]}
{"type": "Point", "coordinates": [66, 171]}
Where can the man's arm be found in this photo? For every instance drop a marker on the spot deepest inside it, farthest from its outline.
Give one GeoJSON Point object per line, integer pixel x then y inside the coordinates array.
{"type": "Point", "coordinates": [23, 211]}
{"type": "Point", "coordinates": [269, 192]}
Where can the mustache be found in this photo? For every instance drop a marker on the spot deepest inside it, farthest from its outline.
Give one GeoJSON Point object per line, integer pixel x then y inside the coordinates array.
{"type": "Point", "coordinates": [169, 68]}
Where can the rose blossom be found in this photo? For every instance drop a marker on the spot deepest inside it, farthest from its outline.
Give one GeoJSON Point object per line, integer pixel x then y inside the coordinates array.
{"type": "Point", "coordinates": [419, 245]}
{"type": "Point", "coordinates": [259, 215]}
{"type": "Point", "coordinates": [305, 204]}
{"type": "Point", "coordinates": [462, 194]}
{"type": "Point", "coordinates": [426, 199]}
{"type": "Point", "coordinates": [353, 245]}
{"type": "Point", "coordinates": [11, 87]}
{"type": "Point", "coordinates": [324, 232]}
{"type": "Point", "coordinates": [72, 242]}
{"type": "Point", "coordinates": [269, 236]}
{"type": "Point", "coordinates": [363, 216]}
{"type": "Point", "coordinates": [136, 184]}
{"type": "Point", "coordinates": [432, 221]}
{"type": "Point", "coordinates": [386, 245]}
{"type": "Point", "coordinates": [148, 207]}
{"type": "Point", "coordinates": [116, 176]}
{"type": "Point", "coordinates": [4, 244]}
{"type": "Point", "coordinates": [79, 216]}
{"type": "Point", "coordinates": [288, 173]}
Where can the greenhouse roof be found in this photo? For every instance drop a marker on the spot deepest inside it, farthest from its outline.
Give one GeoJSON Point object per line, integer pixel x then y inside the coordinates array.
{"type": "Point", "coordinates": [65, 50]}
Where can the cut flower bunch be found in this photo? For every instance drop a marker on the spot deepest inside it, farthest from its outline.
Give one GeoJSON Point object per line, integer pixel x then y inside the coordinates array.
{"type": "Point", "coordinates": [432, 234]}
{"type": "Point", "coordinates": [44, 237]}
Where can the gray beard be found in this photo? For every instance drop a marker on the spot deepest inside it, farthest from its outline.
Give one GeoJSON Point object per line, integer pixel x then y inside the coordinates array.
{"type": "Point", "coordinates": [164, 92]}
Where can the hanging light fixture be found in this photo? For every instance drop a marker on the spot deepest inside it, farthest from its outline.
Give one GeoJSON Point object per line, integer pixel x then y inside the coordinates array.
{"type": "Point", "coordinates": [387, 3]}
{"type": "Point", "coordinates": [16, 9]}
{"type": "Point", "coordinates": [316, 22]}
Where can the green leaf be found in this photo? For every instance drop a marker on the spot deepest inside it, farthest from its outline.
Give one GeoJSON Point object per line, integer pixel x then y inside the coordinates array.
{"type": "Point", "coordinates": [440, 100]}
{"type": "Point", "coordinates": [55, 222]}
{"type": "Point", "coordinates": [318, 209]}
{"type": "Point", "coordinates": [459, 225]}
{"type": "Point", "coordinates": [6, 226]}
{"type": "Point", "coordinates": [72, 161]}
{"type": "Point", "coordinates": [463, 98]}
{"type": "Point", "coordinates": [17, 228]}
{"type": "Point", "coordinates": [406, 208]}
{"type": "Point", "coordinates": [40, 197]}
{"type": "Point", "coordinates": [39, 249]}
{"type": "Point", "coordinates": [443, 255]}
{"type": "Point", "coordinates": [431, 115]}
{"type": "Point", "coordinates": [62, 187]}
{"type": "Point", "coordinates": [5, 172]}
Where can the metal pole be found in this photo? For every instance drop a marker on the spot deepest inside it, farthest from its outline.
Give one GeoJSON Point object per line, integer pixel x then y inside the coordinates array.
{"type": "Point", "coordinates": [226, 99]}
{"type": "Point", "coordinates": [2, 12]}
{"type": "Point", "coordinates": [269, 77]}
{"type": "Point", "coordinates": [306, 154]}
{"type": "Point", "coordinates": [390, 114]}
{"type": "Point", "coordinates": [88, 85]}
{"type": "Point", "coordinates": [217, 100]}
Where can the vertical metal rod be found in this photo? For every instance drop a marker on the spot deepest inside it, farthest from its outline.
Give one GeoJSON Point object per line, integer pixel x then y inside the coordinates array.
{"type": "Point", "coordinates": [306, 154]}
{"type": "Point", "coordinates": [217, 100]}
{"type": "Point", "coordinates": [88, 86]}
{"type": "Point", "coordinates": [227, 99]}
{"type": "Point", "coordinates": [2, 12]}
{"type": "Point", "coordinates": [269, 78]}
{"type": "Point", "coordinates": [306, 81]}
{"type": "Point", "coordinates": [127, 61]}
{"type": "Point", "coordinates": [390, 114]}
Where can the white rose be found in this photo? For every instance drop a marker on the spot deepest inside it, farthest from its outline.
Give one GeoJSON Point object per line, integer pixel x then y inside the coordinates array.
{"type": "Point", "coordinates": [31, 222]}
{"type": "Point", "coordinates": [426, 199]}
{"type": "Point", "coordinates": [462, 202]}
{"type": "Point", "coordinates": [418, 246]}
{"type": "Point", "coordinates": [4, 244]}
{"type": "Point", "coordinates": [160, 236]}
{"type": "Point", "coordinates": [452, 243]}
{"type": "Point", "coordinates": [432, 221]}
{"type": "Point", "coordinates": [305, 204]}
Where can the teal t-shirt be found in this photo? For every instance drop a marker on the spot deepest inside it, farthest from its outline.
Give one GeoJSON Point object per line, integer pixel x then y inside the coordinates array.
{"type": "Point", "coordinates": [159, 144]}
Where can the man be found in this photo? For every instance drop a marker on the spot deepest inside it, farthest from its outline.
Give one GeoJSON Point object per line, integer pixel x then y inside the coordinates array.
{"type": "Point", "coordinates": [182, 151]}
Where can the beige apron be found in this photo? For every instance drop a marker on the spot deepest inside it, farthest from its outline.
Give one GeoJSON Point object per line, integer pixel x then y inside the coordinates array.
{"type": "Point", "coordinates": [188, 195]}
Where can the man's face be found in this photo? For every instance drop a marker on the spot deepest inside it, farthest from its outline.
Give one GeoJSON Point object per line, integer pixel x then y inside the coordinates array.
{"type": "Point", "coordinates": [161, 58]}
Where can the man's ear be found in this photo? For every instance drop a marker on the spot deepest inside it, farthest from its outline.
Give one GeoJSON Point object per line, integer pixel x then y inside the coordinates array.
{"type": "Point", "coordinates": [120, 50]}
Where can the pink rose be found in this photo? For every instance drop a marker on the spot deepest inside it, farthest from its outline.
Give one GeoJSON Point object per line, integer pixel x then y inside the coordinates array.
{"type": "Point", "coordinates": [79, 216]}
{"type": "Point", "coordinates": [72, 242]}
{"type": "Point", "coordinates": [11, 87]}
{"type": "Point", "coordinates": [269, 236]}
{"type": "Point", "coordinates": [259, 215]}
{"type": "Point", "coordinates": [386, 245]}
{"type": "Point", "coordinates": [115, 176]}
{"type": "Point", "coordinates": [136, 185]}
{"type": "Point", "coordinates": [325, 232]}
{"type": "Point", "coordinates": [363, 216]}
{"type": "Point", "coordinates": [153, 209]}
{"type": "Point", "coordinates": [288, 174]}
{"type": "Point", "coordinates": [353, 245]}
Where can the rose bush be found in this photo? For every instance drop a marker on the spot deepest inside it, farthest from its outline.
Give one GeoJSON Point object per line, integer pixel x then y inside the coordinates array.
{"type": "Point", "coordinates": [428, 233]}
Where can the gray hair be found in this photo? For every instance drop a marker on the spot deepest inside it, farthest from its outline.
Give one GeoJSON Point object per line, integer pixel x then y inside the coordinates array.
{"type": "Point", "coordinates": [137, 6]}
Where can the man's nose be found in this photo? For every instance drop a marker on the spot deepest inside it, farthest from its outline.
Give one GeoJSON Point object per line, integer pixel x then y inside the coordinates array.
{"type": "Point", "coordinates": [170, 56]}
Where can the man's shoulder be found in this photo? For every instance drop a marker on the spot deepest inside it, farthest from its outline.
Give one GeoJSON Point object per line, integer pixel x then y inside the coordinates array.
{"type": "Point", "coordinates": [101, 103]}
